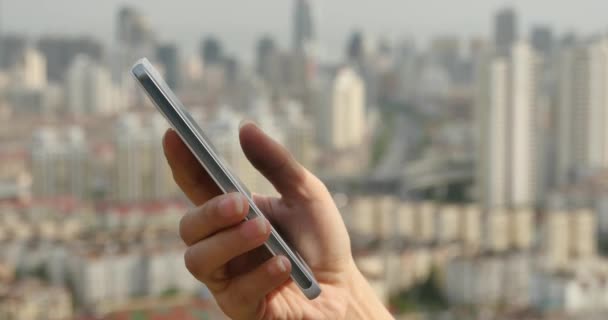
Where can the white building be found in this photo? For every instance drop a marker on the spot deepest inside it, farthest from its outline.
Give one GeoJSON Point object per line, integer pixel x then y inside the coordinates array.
{"type": "Point", "coordinates": [343, 120]}
{"type": "Point", "coordinates": [489, 280]}
{"type": "Point", "coordinates": [128, 175]}
{"type": "Point", "coordinates": [506, 105]}
{"type": "Point", "coordinates": [59, 163]}
{"type": "Point", "coordinates": [448, 222]}
{"type": "Point", "coordinates": [158, 183]}
{"type": "Point", "coordinates": [497, 231]}
{"type": "Point", "coordinates": [556, 242]}
{"type": "Point", "coordinates": [583, 234]}
{"type": "Point", "coordinates": [522, 229]}
{"type": "Point", "coordinates": [31, 72]}
{"type": "Point", "coordinates": [405, 214]}
{"type": "Point", "coordinates": [89, 88]}
{"type": "Point", "coordinates": [426, 215]}
{"type": "Point", "coordinates": [582, 139]}
{"type": "Point", "coordinates": [471, 228]}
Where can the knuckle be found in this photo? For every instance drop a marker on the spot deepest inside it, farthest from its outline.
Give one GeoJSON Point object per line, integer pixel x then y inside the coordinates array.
{"type": "Point", "coordinates": [191, 260]}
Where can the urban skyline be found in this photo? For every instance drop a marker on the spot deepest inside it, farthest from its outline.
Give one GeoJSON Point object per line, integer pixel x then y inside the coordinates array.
{"type": "Point", "coordinates": [474, 21]}
{"type": "Point", "coordinates": [472, 185]}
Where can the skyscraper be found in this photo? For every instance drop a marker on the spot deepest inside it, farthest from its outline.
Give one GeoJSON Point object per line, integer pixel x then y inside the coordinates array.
{"type": "Point", "coordinates": [583, 107]}
{"type": "Point", "coordinates": [43, 152]}
{"type": "Point", "coordinates": [89, 88]}
{"type": "Point", "coordinates": [506, 118]}
{"type": "Point", "coordinates": [157, 183]}
{"type": "Point", "coordinates": [127, 184]}
{"type": "Point", "coordinates": [12, 48]}
{"type": "Point", "coordinates": [133, 29]}
{"type": "Point", "coordinates": [342, 120]}
{"type": "Point", "coordinates": [212, 52]}
{"type": "Point", "coordinates": [60, 52]}
{"type": "Point", "coordinates": [30, 72]}
{"type": "Point", "coordinates": [303, 32]}
{"type": "Point", "coordinates": [59, 164]}
{"type": "Point", "coordinates": [505, 30]}
{"type": "Point", "coordinates": [268, 65]}
{"type": "Point", "coordinates": [522, 128]}
{"type": "Point", "coordinates": [168, 56]}
{"type": "Point", "coordinates": [542, 39]}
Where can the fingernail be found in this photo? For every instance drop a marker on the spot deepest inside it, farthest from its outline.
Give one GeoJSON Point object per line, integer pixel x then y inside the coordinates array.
{"type": "Point", "coordinates": [231, 206]}
{"type": "Point", "coordinates": [246, 122]}
{"type": "Point", "coordinates": [256, 228]}
{"type": "Point", "coordinates": [279, 266]}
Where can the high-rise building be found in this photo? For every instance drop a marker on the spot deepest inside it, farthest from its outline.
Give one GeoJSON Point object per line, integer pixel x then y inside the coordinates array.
{"type": "Point", "coordinates": [505, 30]}
{"type": "Point", "coordinates": [168, 56]}
{"type": "Point", "coordinates": [60, 53]}
{"type": "Point", "coordinates": [542, 39]}
{"type": "Point", "coordinates": [127, 184]}
{"type": "Point", "coordinates": [44, 151]}
{"type": "Point", "coordinates": [303, 27]}
{"type": "Point", "coordinates": [133, 28]}
{"type": "Point", "coordinates": [343, 119]}
{"type": "Point", "coordinates": [58, 164]}
{"type": "Point", "coordinates": [141, 170]}
{"type": "Point", "coordinates": [212, 52]}
{"type": "Point", "coordinates": [89, 88]}
{"type": "Point", "coordinates": [299, 133]}
{"type": "Point", "coordinates": [134, 39]}
{"type": "Point", "coordinates": [12, 48]}
{"type": "Point", "coordinates": [582, 134]}
{"type": "Point", "coordinates": [158, 183]}
{"type": "Point", "coordinates": [30, 72]}
{"type": "Point", "coordinates": [506, 107]}
{"type": "Point", "coordinates": [268, 65]}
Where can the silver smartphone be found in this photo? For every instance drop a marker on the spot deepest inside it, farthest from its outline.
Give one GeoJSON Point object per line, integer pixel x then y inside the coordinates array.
{"type": "Point", "coordinates": [180, 119]}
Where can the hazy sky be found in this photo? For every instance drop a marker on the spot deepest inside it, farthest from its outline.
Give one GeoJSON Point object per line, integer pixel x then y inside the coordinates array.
{"type": "Point", "coordinates": [239, 22]}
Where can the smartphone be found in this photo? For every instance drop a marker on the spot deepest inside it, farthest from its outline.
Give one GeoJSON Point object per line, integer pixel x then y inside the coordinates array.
{"type": "Point", "coordinates": [193, 136]}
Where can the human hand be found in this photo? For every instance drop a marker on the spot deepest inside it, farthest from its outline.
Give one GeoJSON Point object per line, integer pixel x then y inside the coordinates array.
{"type": "Point", "coordinates": [228, 256]}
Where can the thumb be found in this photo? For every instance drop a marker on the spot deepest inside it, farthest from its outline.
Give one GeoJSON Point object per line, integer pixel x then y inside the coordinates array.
{"type": "Point", "coordinates": [275, 162]}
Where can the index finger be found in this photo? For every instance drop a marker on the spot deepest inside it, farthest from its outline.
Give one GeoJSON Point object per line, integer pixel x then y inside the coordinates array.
{"type": "Point", "coordinates": [188, 173]}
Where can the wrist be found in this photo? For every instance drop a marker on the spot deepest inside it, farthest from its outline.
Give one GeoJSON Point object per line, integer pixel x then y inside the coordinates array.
{"type": "Point", "coordinates": [363, 301]}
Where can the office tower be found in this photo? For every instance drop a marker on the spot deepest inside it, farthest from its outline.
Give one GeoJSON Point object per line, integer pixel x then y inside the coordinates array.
{"type": "Point", "coordinates": [303, 28]}
{"type": "Point", "coordinates": [76, 162]}
{"type": "Point", "coordinates": [134, 39]}
{"type": "Point", "coordinates": [342, 121]}
{"type": "Point", "coordinates": [133, 28]}
{"type": "Point", "coordinates": [506, 106]}
{"type": "Point", "coordinates": [505, 31]}
{"type": "Point", "coordinates": [212, 52]}
{"type": "Point", "coordinates": [43, 154]}
{"type": "Point", "coordinates": [356, 49]}
{"type": "Point", "coordinates": [129, 158]}
{"type": "Point", "coordinates": [168, 56]}
{"type": "Point", "coordinates": [60, 53]}
{"type": "Point", "coordinates": [522, 147]}
{"type": "Point", "coordinates": [157, 181]}
{"type": "Point", "coordinates": [268, 64]}
{"type": "Point", "coordinates": [299, 133]}
{"type": "Point", "coordinates": [582, 137]}
{"type": "Point", "coordinates": [88, 88]}
{"type": "Point", "coordinates": [31, 71]}
{"type": "Point", "coordinates": [542, 39]}
{"type": "Point", "coordinates": [12, 48]}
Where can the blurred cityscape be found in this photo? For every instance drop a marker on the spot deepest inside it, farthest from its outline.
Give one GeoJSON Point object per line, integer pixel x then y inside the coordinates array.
{"type": "Point", "coordinates": [472, 173]}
